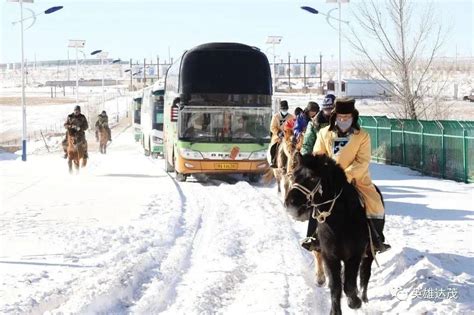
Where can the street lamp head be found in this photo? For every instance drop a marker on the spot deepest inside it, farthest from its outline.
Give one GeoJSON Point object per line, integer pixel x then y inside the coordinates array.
{"type": "Point", "coordinates": [116, 61]}
{"type": "Point", "coordinates": [53, 9]}
{"type": "Point", "coordinates": [95, 52]}
{"type": "Point", "coordinates": [310, 10]}
{"type": "Point", "coordinates": [128, 70]}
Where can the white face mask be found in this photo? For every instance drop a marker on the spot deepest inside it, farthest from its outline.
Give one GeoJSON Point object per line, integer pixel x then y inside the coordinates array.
{"type": "Point", "coordinates": [344, 125]}
{"type": "Point", "coordinates": [284, 112]}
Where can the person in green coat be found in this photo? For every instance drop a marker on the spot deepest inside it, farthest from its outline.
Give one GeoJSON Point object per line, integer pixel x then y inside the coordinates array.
{"type": "Point", "coordinates": [321, 120]}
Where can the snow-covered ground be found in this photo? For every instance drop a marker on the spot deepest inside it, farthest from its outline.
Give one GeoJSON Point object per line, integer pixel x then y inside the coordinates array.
{"type": "Point", "coordinates": [124, 237]}
{"type": "Point", "coordinates": [51, 115]}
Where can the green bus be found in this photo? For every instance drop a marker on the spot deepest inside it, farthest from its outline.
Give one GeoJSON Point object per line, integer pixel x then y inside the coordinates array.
{"type": "Point", "coordinates": [152, 119]}
{"type": "Point", "coordinates": [217, 111]}
{"type": "Point", "coordinates": [137, 98]}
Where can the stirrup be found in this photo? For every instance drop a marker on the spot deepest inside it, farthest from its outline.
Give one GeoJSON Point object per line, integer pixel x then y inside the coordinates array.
{"type": "Point", "coordinates": [310, 244]}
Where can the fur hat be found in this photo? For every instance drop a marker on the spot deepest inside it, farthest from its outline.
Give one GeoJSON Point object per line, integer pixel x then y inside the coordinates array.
{"type": "Point", "coordinates": [283, 105]}
{"type": "Point", "coordinates": [328, 102]}
{"type": "Point", "coordinates": [345, 105]}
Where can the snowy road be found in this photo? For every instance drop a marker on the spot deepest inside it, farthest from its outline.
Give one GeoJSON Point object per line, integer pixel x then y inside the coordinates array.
{"type": "Point", "coordinates": [124, 237]}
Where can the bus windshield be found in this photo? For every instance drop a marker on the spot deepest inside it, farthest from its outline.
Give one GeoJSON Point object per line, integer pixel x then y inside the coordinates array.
{"type": "Point", "coordinates": [230, 125]}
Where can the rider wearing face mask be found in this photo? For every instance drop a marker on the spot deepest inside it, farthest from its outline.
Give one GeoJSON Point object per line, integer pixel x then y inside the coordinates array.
{"type": "Point", "coordinates": [317, 122]}
{"type": "Point", "coordinates": [349, 145]}
{"type": "Point", "coordinates": [277, 130]}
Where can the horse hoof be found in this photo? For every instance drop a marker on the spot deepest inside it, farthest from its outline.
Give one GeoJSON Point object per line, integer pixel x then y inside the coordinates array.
{"type": "Point", "coordinates": [320, 281]}
{"type": "Point", "coordinates": [354, 302]}
{"type": "Point", "coordinates": [364, 298]}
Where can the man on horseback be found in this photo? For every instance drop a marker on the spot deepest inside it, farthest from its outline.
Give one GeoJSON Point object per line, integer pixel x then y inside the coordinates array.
{"type": "Point", "coordinates": [78, 122]}
{"type": "Point", "coordinates": [303, 119]}
{"type": "Point", "coordinates": [102, 123]}
{"type": "Point", "coordinates": [349, 145]}
{"type": "Point", "coordinates": [317, 122]}
{"type": "Point", "coordinates": [277, 130]}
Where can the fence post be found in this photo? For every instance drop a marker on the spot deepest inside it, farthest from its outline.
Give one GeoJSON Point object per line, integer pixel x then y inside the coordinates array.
{"type": "Point", "coordinates": [443, 152]}
{"type": "Point", "coordinates": [464, 149]}
{"type": "Point", "coordinates": [422, 159]}
{"type": "Point", "coordinates": [403, 145]}
{"type": "Point", "coordinates": [376, 136]}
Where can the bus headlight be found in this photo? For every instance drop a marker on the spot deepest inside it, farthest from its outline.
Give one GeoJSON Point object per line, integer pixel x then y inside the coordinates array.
{"type": "Point", "coordinates": [157, 140]}
{"type": "Point", "coordinates": [190, 154]}
{"type": "Point", "coordinates": [258, 155]}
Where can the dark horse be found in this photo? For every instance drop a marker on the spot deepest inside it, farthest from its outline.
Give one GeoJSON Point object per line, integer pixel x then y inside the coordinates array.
{"type": "Point", "coordinates": [320, 188]}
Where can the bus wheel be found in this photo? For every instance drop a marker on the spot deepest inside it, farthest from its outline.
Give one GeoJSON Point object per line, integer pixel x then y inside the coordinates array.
{"type": "Point", "coordinates": [180, 177]}
{"type": "Point", "coordinates": [254, 178]}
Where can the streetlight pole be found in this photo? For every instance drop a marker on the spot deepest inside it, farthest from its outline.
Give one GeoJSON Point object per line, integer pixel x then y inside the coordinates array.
{"type": "Point", "coordinates": [77, 43]}
{"type": "Point", "coordinates": [273, 40]}
{"type": "Point", "coordinates": [328, 16]}
{"type": "Point", "coordinates": [23, 102]}
{"type": "Point", "coordinates": [23, 97]}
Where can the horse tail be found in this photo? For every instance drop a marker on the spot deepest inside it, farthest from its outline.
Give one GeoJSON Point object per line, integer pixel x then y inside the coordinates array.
{"type": "Point", "coordinates": [380, 193]}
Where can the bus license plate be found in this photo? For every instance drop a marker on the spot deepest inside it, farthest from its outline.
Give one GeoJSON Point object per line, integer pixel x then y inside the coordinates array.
{"type": "Point", "coordinates": [226, 166]}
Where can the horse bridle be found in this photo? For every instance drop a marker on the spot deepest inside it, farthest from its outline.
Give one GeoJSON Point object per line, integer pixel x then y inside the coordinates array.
{"type": "Point", "coordinates": [309, 194]}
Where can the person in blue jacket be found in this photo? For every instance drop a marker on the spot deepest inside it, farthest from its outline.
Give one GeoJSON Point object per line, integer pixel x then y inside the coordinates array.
{"type": "Point", "coordinates": [303, 118]}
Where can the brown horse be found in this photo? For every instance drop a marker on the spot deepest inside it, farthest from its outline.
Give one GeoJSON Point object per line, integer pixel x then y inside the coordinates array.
{"type": "Point", "coordinates": [286, 150]}
{"type": "Point", "coordinates": [76, 147]}
{"type": "Point", "coordinates": [103, 137]}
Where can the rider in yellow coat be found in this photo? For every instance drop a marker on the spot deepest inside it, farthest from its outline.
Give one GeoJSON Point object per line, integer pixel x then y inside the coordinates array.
{"type": "Point", "coordinates": [277, 130]}
{"type": "Point", "coordinates": [349, 145]}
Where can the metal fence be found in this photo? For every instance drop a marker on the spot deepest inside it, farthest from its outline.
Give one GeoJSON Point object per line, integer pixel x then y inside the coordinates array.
{"type": "Point", "coordinates": [441, 148]}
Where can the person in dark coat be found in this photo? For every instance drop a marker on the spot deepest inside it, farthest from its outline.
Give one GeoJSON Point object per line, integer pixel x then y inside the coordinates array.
{"type": "Point", "coordinates": [76, 121]}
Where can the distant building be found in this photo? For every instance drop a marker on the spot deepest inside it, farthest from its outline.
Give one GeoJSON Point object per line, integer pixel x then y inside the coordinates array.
{"type": "Point", "coordinates": [360, 88]}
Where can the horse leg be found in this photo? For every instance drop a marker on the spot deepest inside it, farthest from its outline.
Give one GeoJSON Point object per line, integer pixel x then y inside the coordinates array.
{"type": "Point", "coordinates": [365, 272]}
{"type": "Point", "coordinates": [69, 163]}
{"type": "Point", "coordinates": [351, 268]}
{"type": "Point", "coordinates": [320, 276]}
{"type": "Point", "coordinates": [333, 268]}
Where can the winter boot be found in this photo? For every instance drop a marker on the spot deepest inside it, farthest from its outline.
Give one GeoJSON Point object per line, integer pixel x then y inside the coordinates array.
{"type": "Point", "coordinates": [376, 230]}
{"type": "Point", "coordinates": [311, 241]}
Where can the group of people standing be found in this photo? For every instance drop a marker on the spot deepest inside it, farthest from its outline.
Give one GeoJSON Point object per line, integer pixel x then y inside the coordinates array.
{"type": "Point", "coordinates": [78, 122]}
{"type": "Point", "coordinates": [333, 129]}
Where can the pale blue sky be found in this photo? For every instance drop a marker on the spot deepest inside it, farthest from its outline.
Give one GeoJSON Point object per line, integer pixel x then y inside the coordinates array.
{"type": "Point", "coordinates": [145, 28]}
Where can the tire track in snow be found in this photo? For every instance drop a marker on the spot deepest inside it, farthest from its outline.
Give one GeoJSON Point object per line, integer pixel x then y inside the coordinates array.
{"type": "Point", "coordinates": [156, 262]}
{"type": "Point", "coordinates": [226, 265]}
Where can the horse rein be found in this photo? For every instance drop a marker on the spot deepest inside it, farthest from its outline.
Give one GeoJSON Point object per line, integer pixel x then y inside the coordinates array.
{"type": "Point", "coordinates": [309, 194]}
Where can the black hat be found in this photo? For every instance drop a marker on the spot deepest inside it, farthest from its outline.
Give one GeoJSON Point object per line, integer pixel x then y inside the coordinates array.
{"type": "Point", "coordinates": [312, 107]}
{"type": "Point", "coordinates": [328, 102]}
{"type": "Point", "coordinates": [283, 105]}
{"type": "Point", "coordinates": [345, 105]}
{"type": "Point", "coordinates": [77, 108]}
{"type": "Point", "coordinates": [103, 112]}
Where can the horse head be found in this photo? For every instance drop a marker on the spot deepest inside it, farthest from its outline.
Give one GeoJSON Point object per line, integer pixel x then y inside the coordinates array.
{"type": "Point", "coordinates": [315, 178]}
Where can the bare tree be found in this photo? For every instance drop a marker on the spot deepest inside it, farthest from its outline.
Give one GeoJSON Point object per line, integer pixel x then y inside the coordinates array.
{"type": "Point", "coordinates": [401, 51]}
